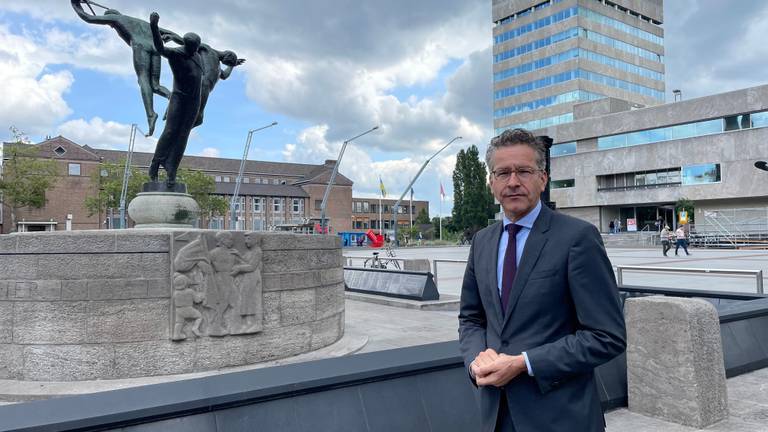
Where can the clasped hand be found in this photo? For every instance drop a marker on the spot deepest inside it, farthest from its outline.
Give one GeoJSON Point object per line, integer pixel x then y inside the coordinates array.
{"type": "Point", "coordinates": [493, 369]}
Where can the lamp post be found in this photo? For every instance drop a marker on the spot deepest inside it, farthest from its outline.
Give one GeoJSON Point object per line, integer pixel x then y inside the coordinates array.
{"type": "Point", "coordinates": [424, 165]}
{"type": "Point", "coordinates": [127, 174]}
{"type": "Point", "coordinates": [323, 205]}
{"type": "Point", "coordinates": [239, 180]}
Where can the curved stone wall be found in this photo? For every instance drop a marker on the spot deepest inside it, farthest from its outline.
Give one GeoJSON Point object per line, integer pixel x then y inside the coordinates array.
{"type": "Point", "coordinates": [88, 305]}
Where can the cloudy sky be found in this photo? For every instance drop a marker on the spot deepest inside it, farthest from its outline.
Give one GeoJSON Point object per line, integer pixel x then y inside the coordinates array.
{"type": "Point", "coordinates": [326, 71]}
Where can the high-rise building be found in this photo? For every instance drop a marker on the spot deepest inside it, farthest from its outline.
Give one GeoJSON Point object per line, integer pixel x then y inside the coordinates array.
{"type": "Point", "coordinates": [551, 55]}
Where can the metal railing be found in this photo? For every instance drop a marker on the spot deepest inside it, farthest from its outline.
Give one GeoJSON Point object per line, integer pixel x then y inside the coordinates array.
{"type": "Point", "coordinates": [434, 267]}
{"type": "Point", "coordinates": [758, 274]}
{"type": "Point", "coordinates": [349, 260]}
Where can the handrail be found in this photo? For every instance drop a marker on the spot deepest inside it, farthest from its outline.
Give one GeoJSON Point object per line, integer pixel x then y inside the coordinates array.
{"type": "Point", "coordinates": [757, 273]}
{"type": "Point", "coordinates": [434, 267]}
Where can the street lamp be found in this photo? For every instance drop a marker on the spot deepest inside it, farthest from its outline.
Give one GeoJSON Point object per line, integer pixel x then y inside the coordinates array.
{"type": "Point", "coordinates": [127, 174]}
{"type": "Point", "coordinates": [323, 205]}
{"type": "Point", "coordinates": [239, 180]}
{"type": "Point", "coordinates": [424, 165]}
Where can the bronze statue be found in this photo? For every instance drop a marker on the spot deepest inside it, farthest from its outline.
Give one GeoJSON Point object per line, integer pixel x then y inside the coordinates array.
{"type": "Point", "coordinates": [184, 103]}
{"type": "Point", "coordinates": [146, 60]}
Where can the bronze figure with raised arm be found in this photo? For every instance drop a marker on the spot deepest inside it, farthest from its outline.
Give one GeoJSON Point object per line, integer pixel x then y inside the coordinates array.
{"type": "Point", "coordinates": [146, 60]}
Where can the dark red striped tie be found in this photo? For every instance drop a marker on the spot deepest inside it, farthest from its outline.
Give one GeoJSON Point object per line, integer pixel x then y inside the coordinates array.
{"type": "Point", "coordinates": [510, 265]}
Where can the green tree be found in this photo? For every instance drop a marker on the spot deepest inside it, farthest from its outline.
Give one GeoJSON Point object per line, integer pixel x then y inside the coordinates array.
{"type": "Point", "coordinates": [422, 218]}
{"type": "Point", "coordinates": [473, 201]}
{"type": "Point", "coordinates": [26, 176]}
{"type": "Point", "coordinates": [202, 186]}
{"type": "Point", "coordinates": [110, 180]}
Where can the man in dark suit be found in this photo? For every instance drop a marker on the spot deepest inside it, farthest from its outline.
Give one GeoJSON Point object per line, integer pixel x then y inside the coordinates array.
{"type": "Point", "coordinates": [539, 304]}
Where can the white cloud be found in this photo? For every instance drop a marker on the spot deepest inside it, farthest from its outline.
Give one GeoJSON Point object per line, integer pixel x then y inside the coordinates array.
{"type": "Point", "coordinates": [210, 152]}
{"type": "Point", "coordinates": [111, 135]}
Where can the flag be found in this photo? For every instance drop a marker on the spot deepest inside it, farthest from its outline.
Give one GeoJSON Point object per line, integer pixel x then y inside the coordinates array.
{"type": "Point", "coordinates": [381, 186]}
{"type": "Point", "coordinates": [442, 191]}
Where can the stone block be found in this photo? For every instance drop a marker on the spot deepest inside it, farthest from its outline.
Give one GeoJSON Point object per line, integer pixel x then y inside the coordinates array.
{"type": "Point", "coordinates": [159, 288]}
{"type": "Point", "coordinates": [324, 259]}
{"type": "Point", "coordinates": [271, 310]}
{"type": "Point", "coordinates": [332, 276]}
{"type": "Point", "coordinates": [67, 242]}
{"type": "Point", "coordinates": [89, 266]}
{"type": "Point", "coordinates": [6, 322]}
{"type": "Point", "coordinates": [419, 265]}
{"type": "Point", "coordinates": [35, 290]}
{"type": "Point", "coordinates": [3, 290]}
{"type": "Point", "coordinates": [8, 243]}
{"type": "Point", "coordinates": [11, 361]}
{"type": "Point", "coordinates": [154, 358]}
{"type": "Point", "coordinates": [291, 280]}
{"type": "Point", "coordinates": [280, 241]}
{"type": "Point", "coordinates": [106, 289]}
{"type": "Point", "coordinates": [285, 261]}
{"type": "Point", "coordinates": [330, 300]}
{"type": "Point", "coordinates": [155, 265]}
{"type": "Point", "coordinates": [138, 241]}
{"type": "Point", "coordinates": [278, 343]}
{"type": "Point", "coordinates": [49, 322]}
{"type": "Point", "coordinates": [68, 362]}
{"type": "Point", "coordinates": [19, 267]}
{"type": "Point", "coordinates": [128, 320]}
{"type": "Point", "coordinates": [215, 352]}
{"type": "Point", "coordinates": [675, 368]}
{"type": "Point", "coordinates": [297, 306]}
{"type": "Point", "coordinates": [74, 290]}
{"type": "Point", "coordinates": [326, 331]}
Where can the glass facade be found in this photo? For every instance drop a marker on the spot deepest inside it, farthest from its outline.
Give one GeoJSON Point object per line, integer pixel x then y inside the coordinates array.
{"type": "Point", "coordinates": [572, 33]}
{"type": "Point", "coordinates": [573, 54]}
{"type": "Point", "coordinates": [563, 149]}
{"type": "Point", "coordinates": [577, 74]}
{"type": "Point", "coordinates": [701, 174]}
{"type": "Point", "coordinates": [664, 177]}
{"type": "Point", "coordinates": [688, 130]}
{"type": "Point", "coordinates": [539, 123]}
{"type": "Point", "coordinates": [572, 12]}
{"type": "Point", "coordinates": [576, 95]}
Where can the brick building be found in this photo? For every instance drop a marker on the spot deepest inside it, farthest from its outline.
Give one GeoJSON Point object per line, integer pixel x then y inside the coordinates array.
{"type": "Point", "coordinates": [365, 213]}
{"type": "Point", "coordinates": [272, 194]}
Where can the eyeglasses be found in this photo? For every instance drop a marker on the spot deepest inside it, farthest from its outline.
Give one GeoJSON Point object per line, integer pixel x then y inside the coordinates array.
{"type": "Point", "coordinates": [522, 174]}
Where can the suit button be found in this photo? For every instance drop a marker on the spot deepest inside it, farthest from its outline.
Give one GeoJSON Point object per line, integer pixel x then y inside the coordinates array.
{"type": "Point", "coordinates": [504, 344]}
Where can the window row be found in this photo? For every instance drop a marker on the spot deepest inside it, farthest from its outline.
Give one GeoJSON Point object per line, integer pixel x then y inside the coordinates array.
{"type": "Point", "coordinates": [578, 53]}
{"type": "Point", "coordinates": [687, 130]}
{"type": "Point", "coordinates": [539, 123]}
{"type": "Point", "coordinates": [572, 12]}
{"type": "Point", "coordinates": [575, 95]}
{"type": "Point", "coordinates": [528, 11]}
{"type": "Point", "coordinates": [366, 207]}
{"type": "Point", "coordinates": [259, 205]}
{"type": "Point", "coordinates": [577, 74]}
{"type": "Point", "coordinates": [688, 175]}
{"type": "Point", "coordinates": [546, 4]}
{"type": "Point", "coordinates": [254, 180]}
{"type": "Point", "coordinates": [562, 184]}
{"type": "Point", "coordinates": [573, 33]}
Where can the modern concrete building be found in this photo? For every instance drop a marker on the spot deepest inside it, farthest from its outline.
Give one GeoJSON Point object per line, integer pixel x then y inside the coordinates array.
{"type": "Point", "coordinates": [272, 194]}
{"type": "Point", "coordinates": [612, 162]}
{"type": "Point", "coordinates": [551, 55]}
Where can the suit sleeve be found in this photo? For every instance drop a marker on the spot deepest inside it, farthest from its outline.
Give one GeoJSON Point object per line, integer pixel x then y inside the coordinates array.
{"type": "Point", "coordinates": [600, 334]}
{"type": "Point", "coordinates": [472, 318]}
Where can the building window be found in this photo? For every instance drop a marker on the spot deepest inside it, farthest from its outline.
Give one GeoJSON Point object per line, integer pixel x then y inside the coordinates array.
{"type": "Point", "coordinates": [240, 204]}
{"type": "Point", "coordinates": [217, 179]}
{"type": "Point", "coordinates": [60, 151]}
{"type": "Point", "coordinates": [318, 204]}
{"type": "Point", "coordinates": [258, 224]}
{"type": "Point", "coordinates": [297, 206]}
{"type": "Point", "coordinates": [275, 181]}
{"type": "Point", "coordinates": [639, 180]}
{"type": "Point", "coordinates": [561, 184]}
{"type": "Point", "coordinates": [74, 169]}
{"type": "Point", "coordinates": [701, 174]}
{"type": "Point", "coordinates": [278, 205]}
{"type": "Point", "coordinates": [246, 179]}
{"type": "Point", "coordinates": [366, 208]}
{"type": "Point", "coordinates": [258, 205]}
{"type": "Point", "coordinates": [563, 149]}
{"type": "Point", "coordinates": [226, 179]}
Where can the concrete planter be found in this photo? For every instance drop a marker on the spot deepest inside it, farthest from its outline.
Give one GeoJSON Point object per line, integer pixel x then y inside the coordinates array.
{"type": "Point", "coordinates": [163, 210]}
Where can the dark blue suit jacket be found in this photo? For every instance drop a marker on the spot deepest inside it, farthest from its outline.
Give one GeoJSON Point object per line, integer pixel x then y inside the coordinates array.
{"type": "Point", "coordinates": [563, 311]}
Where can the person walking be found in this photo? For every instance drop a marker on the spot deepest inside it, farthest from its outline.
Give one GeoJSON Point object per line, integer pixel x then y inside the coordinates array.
{"type": "Point", "coordinates": [681, 240]}
{"type": "Point", "coordinates": [611, 227]}
{"type": "Point", "coordinates": [665, 235]}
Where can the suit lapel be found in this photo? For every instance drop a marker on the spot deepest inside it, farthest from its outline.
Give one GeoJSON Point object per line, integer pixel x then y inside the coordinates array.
{"type": "Point", "coordinates": [537, 238]}
{"type": "Point", "coordinates": [491, 268]}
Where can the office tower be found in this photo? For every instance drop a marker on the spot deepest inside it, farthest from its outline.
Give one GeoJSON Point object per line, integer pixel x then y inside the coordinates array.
{"type": "Point", "coordinates": [549, 56]}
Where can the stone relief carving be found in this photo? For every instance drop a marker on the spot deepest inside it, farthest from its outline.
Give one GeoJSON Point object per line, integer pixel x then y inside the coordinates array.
{"type": "Point", "coordinates": [217, 284]}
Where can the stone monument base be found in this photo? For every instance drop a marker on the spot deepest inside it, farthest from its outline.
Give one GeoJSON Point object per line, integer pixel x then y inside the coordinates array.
{"type": "Point", "coordinates": [161, 207]}
{"type": "Point", "coordinates": [109, 304]}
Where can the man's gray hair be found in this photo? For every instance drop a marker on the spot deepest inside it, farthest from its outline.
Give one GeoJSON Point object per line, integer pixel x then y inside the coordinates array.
{"type": "Point", "coordinates": [512, 137]}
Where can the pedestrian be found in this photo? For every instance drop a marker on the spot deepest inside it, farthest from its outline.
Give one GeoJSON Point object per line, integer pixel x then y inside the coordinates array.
{"type": "Point", "coordinates": [681, 240]}
{"type": "Point", "coordinates": [618, 226]}
{"type": "Point", "coordinates": [535, 322]}
{"type": "Point", "coordinates": [611, 226]}
{"type": "Point", "coordinates": [665, 235]}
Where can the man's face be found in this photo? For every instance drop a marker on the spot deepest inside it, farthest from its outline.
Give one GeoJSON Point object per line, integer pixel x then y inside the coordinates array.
{"type": "Point", "coordinates": [517, 195]}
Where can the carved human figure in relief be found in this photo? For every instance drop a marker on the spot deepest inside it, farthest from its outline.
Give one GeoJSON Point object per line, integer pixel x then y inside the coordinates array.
{"type": "Point", "coordinates": [184, 300]}
{"type": "Point", "coordinates": [221, 296]}
{"type": "Point", "coordinates": [249, 287]}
